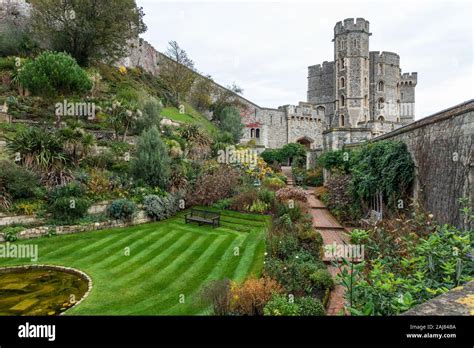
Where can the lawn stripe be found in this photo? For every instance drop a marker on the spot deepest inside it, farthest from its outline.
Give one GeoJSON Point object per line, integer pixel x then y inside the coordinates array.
{"type": "Point", "coordinates": [188, 282]}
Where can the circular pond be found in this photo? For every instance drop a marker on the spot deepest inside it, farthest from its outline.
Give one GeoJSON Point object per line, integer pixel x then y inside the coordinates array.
{"type": "Point", "coordinates": [41, 290]}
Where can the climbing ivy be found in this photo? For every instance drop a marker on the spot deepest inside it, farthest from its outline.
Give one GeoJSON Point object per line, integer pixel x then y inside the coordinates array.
{"type": "Point", "coordinates": [383, 166]}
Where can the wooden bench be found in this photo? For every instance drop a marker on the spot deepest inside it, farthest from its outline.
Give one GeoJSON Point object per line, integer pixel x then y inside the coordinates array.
{"type": "Point", "coordinates": [203, 217]}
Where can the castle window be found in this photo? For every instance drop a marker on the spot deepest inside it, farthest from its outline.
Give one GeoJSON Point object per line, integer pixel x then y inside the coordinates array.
{"type": "Point", "coordinates": [402, 95]}
{"type": "Point", "coordinates": [252, 133]}
{"type": "Point", "coordinates": [365, 82]}
{"type": "Point", "coordinates": [341, 120]}
{"type": "Point", "coordinates": [343, 63]}
{"type": "Point", "coordinates": [343, 101]}
{"type": "Point", "coordinates": [380, 86]}
{"type": "Point", "coordinates": [381, 118]}
{"type": "Point", "coordinates": [380, 103]}
{"type": "Point", "coordinates": [271, 119]}
{"type": "Point", "coordinates": [320, 111]}
{"type": "Point", "coordinates": [366, 101]}
{"type": "Point", "coordinates": [343, 82]}
{"type": "Point", "coordinates": [257, 133]}
{"type": "Point", "coordinates": [354, 43]}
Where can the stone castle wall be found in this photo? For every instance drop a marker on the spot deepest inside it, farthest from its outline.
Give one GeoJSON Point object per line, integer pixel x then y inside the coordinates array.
{"type": "Point", "coordinates": [442, 148]}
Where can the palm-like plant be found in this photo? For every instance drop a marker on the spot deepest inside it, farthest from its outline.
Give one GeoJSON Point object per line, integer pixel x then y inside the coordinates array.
{"type": "Point", "coordinates": [76, 141]}
{"type": "Point", "coordinates": [199, 143]}
{"type": "Point", "coordinates": [41, 151]}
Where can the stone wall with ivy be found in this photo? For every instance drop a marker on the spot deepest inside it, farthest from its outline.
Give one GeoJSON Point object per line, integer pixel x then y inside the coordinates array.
{"type": "Point", "coordinates": [441, 146]}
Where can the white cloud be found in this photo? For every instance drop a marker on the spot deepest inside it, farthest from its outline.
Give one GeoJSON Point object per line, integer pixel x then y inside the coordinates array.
{"type": "Point", "coordinates": [266, 47]}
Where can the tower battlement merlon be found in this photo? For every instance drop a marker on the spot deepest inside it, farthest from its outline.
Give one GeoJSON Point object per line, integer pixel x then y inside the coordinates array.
{"type": "Point", "coordinates": [385, 57]}
{"type": "Point", "coordinates": [321, 69]}
{"type": "Point", "coordinates": [410, 77]}
{"type": "Point", "coordinates": [351, 24]}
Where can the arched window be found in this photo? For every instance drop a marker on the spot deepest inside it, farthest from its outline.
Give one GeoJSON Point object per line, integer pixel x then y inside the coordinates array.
{"type": "Point", "coordinates": [380, 103]}
{"type": "Point", "coordinates": [365, 82]}
{"type": "Point", "coordinates": [257, 133]}
{"type": "Point", "coordinates": [343, 101]}
{"type": "Point", "coordinates": [252, 133]}
{"type": "Point", "coordinates": [343, 82]}
{"type": "Point", "coordinates": [341, 120]}
{"type": "Point", "coordinates": [381, 118]}
{"type": "Point", "coordinates": [380, 86]}
{"type": "Point", "coordinates": [320, 111]}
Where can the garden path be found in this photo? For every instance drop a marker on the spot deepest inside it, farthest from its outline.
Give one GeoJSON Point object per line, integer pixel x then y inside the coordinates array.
{"type": "Point", "coordinates": [332, 232]}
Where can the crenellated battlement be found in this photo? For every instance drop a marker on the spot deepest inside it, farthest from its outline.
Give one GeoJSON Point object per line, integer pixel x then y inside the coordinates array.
{"type": "Point", "coordinates": [410, 78]}
{"type": "Point", "coordinates": [321, 69]}
{"type": "Point", "coordinates": [349, 24]}
{"type": "Point", "coordinates": [385, 57]}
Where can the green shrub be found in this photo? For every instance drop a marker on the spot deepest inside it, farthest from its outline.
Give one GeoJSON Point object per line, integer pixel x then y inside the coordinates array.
{"type": "Point", "coordinates": [273, 184]}
{"type": "Point", "coordinates": [311, 240]}
{"type": "Point", "coordinates": [315, 178]}
{"type": "Point", "coordinates": [280, 305]}
{"type": "Point", "coordinates": [18, 182]}
{"type": "Point", "coordinates": [122, 209]}
{"type": "Point", "coordinates": [152, 162]}
{"type": "Point", "coordinates": [310, 306]}
{"type": "Point", "coordinates": [322, 279]}
{"type": "Point", "coordinates": [258, 207]}
{"type": "Point", "coordinates": [223, 204]}
{"type": "Point", "coordinates": [267, 196]}
{"type": "Point", "coordinates": [11, 233]}
{"type": "Point", "coordinates": [160, 208]}
{"type": "Point", "coordinates": [53, 73]}
{"type": "Point", "coordinates": [294, 273]}
{"type": "Point", "coordinates": [67, 203]}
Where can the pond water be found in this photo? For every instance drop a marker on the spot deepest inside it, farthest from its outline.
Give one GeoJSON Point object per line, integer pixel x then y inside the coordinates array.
{"type": "Point", "coordinates": [39, 291]}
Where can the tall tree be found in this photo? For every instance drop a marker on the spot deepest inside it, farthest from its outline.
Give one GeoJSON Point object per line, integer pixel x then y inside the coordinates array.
{"type": "Point", "coordinates": [226, 97]}
{"type": "Point", "coordinates": [178, 72]}
{"type": "Point", "coordinates": [231, 122]}
{"type": "Point", "coordinates": [152, 163]}
{"type": "Point", "coordinates": [88, 29]}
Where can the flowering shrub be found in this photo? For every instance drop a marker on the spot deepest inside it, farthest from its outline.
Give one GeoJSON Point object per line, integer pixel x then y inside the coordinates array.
{"type": "Point", "coordinates": [293, 193]}
{"type": "Point", "coordinates": [280, 305]}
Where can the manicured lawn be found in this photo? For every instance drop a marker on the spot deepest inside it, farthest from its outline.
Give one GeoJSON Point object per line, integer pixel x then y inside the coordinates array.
{"type": "Point", "coordinates": [167, 259]}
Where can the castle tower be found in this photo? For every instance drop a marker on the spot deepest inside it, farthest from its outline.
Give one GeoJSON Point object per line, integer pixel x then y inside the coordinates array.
{"type": "Point", "coordinates": [407, 97]}
{"type": "Point", "coordinates": [385, 102]}
{"type": "Point", "coordinates": [351, 57]}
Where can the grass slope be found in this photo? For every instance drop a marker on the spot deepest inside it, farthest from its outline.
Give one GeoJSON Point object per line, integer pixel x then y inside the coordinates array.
{"type": "Point", "coordinates": [191, 116]}
{"type": "Point", "coordinates": [167, 259]}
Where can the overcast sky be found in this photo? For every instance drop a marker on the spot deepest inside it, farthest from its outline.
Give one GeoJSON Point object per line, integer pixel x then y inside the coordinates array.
{"type": "Point", "coordinates": [265, 47]}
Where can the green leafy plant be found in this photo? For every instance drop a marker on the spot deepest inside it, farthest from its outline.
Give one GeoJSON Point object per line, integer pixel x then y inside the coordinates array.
{"type": "Point", "coordinates": [53, 74]}
{"type": "Point", "coordinates": [68, 203]}
{"type": "Point", "coordinates": [122, 209]}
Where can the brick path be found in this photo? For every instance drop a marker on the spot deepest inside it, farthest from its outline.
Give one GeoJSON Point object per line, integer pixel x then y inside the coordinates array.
{"type": "Point", "coordinates": [331, 231]}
